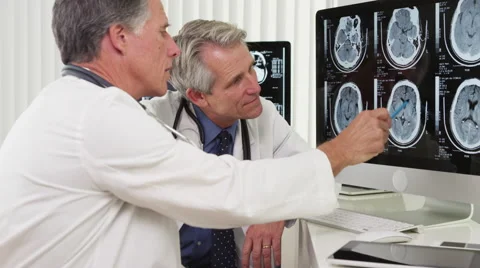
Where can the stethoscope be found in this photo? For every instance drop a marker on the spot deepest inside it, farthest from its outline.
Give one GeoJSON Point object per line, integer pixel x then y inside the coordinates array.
{"type": "Point", "coordinates": [243, 126]}
{"type": "Point", "coordinates": [86, 75]}
{"type": "Point", "coordinates": [95, 79]}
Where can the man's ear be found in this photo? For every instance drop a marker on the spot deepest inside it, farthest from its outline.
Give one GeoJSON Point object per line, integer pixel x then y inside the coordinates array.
{"type": "Point", "coordinates": [196, 97]}
{"type": "Point", "coordinates": [118, 36]}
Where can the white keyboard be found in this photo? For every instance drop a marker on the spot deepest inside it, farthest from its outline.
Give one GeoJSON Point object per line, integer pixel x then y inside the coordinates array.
{"type": "Point", "coordinates": [359, 223]}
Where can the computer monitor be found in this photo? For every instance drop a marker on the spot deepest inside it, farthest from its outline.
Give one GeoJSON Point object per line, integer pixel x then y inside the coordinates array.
{"type": "Point", "coordinates": [272, 65]}
{"type": "Point", "coordinates": [425, 53]}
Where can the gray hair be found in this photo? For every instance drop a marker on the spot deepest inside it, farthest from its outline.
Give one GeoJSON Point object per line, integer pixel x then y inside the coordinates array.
{"type": "Point", "coordinates": [188, 70]}
{"type": "Point", "coordinates": [80, 25]}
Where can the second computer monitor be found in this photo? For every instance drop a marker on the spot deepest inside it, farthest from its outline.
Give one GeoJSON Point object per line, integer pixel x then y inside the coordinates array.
{"type": "Point", "coordinates": [272, 65]}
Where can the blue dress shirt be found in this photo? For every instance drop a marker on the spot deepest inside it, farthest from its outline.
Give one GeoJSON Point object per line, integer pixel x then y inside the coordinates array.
{"type": "Point", "coordinates": [196, 243]}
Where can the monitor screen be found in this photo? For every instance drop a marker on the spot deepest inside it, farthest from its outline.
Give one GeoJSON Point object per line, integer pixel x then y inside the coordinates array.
{"type": "Point", "coordinates": [272, 65]}
{"type": "Point", "coordinates": [421, 58]}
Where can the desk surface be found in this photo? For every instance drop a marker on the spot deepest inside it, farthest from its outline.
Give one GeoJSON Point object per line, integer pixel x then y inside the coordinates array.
{"type": "Point", "coordinates": [317, 242]}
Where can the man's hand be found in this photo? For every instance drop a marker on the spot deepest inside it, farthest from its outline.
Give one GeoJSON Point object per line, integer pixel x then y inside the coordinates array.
{"type": "Point", "coordinates": [260, 240]}
{"type": "Point", "coordinates": [362, 140]}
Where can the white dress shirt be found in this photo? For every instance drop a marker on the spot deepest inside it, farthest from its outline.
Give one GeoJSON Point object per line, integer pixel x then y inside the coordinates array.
{"type": "Point", "coordinates": [89, 180]}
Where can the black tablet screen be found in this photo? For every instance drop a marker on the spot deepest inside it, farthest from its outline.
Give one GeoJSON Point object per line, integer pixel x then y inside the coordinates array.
{"type": "Point", "coordinates": [408, 255]}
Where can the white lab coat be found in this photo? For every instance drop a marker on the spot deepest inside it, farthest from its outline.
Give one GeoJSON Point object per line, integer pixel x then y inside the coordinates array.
{"type": "Point", "coordinates": [89, 180]}
{"type": "Point", "coordinates": [270, 136]}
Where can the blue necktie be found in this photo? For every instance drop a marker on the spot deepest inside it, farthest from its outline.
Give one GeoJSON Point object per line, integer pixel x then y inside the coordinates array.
{"type": "Point", "coordinates": [224, 254]}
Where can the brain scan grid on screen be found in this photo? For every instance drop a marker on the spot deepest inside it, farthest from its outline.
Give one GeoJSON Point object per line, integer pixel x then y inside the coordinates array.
{"type": "Point", "coordinates": [425, 57]}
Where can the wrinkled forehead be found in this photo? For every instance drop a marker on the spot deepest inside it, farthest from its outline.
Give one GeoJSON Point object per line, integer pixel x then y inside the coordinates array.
{"type": "Point", "coordinates": [213, 54]}
{"type": "Point", "coordinates": [226, 64]}
{"type": "Point", "coordinates": [217, 51]}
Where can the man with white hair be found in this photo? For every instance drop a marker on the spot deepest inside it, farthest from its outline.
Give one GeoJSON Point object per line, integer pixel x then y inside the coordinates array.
{"type": "Point", "coordinates": [217, 91]}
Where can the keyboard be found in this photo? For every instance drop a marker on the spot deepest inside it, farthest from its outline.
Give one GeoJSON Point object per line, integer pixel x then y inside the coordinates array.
{"type": "Point", "coordinates": [359, 223]}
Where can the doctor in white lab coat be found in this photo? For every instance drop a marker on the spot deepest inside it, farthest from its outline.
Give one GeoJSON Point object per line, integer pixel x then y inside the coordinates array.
{"type": "Point", "coordinates": [270, 136]}
{"type": "Point", "coordinates": [90, 180]}
{"type": "Point", "coordinates": [214, 53]}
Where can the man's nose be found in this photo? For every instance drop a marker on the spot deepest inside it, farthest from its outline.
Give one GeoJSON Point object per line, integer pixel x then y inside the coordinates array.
{"type": "Point", "coordinates": [254, 87]}
{"type": "Point", "coordinates": [173, 49]}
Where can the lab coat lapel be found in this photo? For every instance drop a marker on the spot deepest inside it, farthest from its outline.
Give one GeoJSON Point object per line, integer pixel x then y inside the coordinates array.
{"type": "Point", "coordinates": [188, 127]}
{"type": "Point", "coordinates": [238, 147]}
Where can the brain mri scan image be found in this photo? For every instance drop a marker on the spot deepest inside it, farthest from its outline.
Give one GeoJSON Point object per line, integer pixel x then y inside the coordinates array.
{"type": "Point", "coordinates": [465, 30]}
{"type": "Point", "coordinates": [406, 124]}
{"type": "Point", "coordinates": [403, 41]}
{"type": "Point", "coordinates": [260, 66]}
{"type": "Point", "coordinates": [347, 105]}
{"type": "Point", "coordinates": [348, 42]}
{"type": "Point", "coordinates": [465, 114]}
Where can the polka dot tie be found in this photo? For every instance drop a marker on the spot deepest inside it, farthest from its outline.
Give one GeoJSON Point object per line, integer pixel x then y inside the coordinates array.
{"type": "Point", "coordinates": [223, 249]}
{"type": "Point", "coordinates": [224, 254]}
{"type": "Point", "coordinates": [225, 142]}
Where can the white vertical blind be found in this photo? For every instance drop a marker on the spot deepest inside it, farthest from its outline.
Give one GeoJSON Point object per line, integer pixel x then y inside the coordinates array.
{"type": "Point", "coordinates": [30, 59]}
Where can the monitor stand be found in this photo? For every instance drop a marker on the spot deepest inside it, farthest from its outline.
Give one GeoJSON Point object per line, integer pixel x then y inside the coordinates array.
{"type": "Point", "coordinates": [417, 210]}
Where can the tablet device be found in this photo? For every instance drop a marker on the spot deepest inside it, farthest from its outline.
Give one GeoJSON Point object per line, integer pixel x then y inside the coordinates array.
{"type": "Point", "coordinates": [352, 190]}
{"type": "Point", "coordinates": [384, 255]}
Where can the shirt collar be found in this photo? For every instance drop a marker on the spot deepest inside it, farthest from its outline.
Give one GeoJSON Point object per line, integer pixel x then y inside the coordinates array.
{"type": "Point", "coordinates": [210, 129]}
